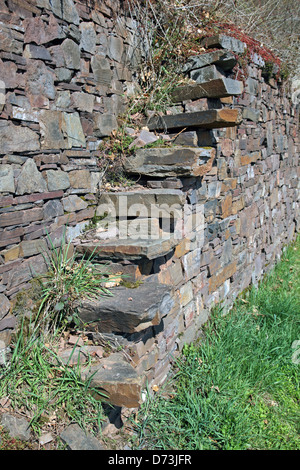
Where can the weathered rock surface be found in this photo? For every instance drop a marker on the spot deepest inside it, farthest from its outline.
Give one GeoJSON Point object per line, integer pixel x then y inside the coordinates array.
{"type": "Point", "coordinates": [174, 161]}
{"type": "Point", "coordinates": [211, 119]}
{"type": "Point", "coordinates": [118, 379]}
{"type": "Point", "coordinates": [223, 59]}
{"type": "Point", "coordinates": [77, 439]}
{"type": "Point", "coordinates": [218, 88]}
{"type": "Point", "coordinates": [16, 427]}
{"type": "Point", "coordinates": [128, 310]}
{"type": "Point", "coordinates": [225, 42]}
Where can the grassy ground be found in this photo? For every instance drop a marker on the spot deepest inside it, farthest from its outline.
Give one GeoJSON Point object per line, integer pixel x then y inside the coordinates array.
{"type": "Point", "coordinates": [239, 388]}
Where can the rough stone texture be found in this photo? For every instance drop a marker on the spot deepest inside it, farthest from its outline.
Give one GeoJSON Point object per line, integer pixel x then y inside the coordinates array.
{"type": "Point", "coordinates": [67, 68]}
{"type": "Point", "coordinates": [119, 380]}
{"type": "Point", "coordinates": [129, 310]}
{"type": "Point", "coordinates": [77, 439]}
{"type": "Point", "coordinates": [16, 427]}
{"type": "Point", "coordinates": [175, 161]}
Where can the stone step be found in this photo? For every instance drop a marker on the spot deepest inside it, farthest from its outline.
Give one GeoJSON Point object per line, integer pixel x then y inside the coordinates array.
{"type": "Point", "coordinates": [225, 42]}
{"type": "Point", "coordinates": [217, 88]}
{"type": "Point", "coordinates": [225, 60]}
{"type": "Point", "coordinates": [128, 310]}
{"type": "Point", "coordinates": [141, 202]}
{"type": "Point", "coordinates": [118, 379]}
{"type": "Point", "coordinates": [167, 162]}
{"type": "Point", "coordinates": [129, 248]}
{"type": "Point", "coordinates": [206, 74]}
{"type": "Point", "coordinates": [211, 119]}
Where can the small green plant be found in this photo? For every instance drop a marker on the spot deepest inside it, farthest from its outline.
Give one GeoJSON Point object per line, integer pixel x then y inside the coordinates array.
{"type": "Point", "coordinates": [67, 281]}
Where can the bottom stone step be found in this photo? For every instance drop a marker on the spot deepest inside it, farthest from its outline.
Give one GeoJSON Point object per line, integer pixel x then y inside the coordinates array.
{"type": "Point", "coordinates": [127, 310]}
{"type": "Point", "coordinates": [117, 379]}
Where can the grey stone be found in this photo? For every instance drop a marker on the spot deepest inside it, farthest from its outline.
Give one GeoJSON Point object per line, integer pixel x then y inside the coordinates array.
{"type": "Point", "coordinates": [53, 209]}
{"type": "Point", "coordinates": [105, 124]}
{"type": "Point", "coordinates": [205, 74]}
{"type": "Point", "coordinates": [174, 161]}
{"type": "Point", "coordinates": [32, 51]}
{"type": "Point", "coordinates": [71, 126]}
{"type": "Point", "coordinates": [17, 139]}
{"type": "Point", "coordinates": [83, 101]}
{"type": "Point", "coordinates": [115, 48]}
{"type": "Point", "coordinates": [57, 180]}
{"type": "Point", "coordinates": [224, 60]}
{"type": "Point", "coordinates": [226, 42]}
{"type": "Point", "coordinates": [73, 203]}
{"type": "Point", "coordinates": [16, 427]}
{"type": "Point", "coordinates": [251, 114]}
{"type": "Point", "coordinates": [71, 54]}
{"type": "Point", "coordinates": [101, 70]}
{"type": "Point", "coordinates": [39, 80]}
{"type": "Point", "coordinates": [7, 179]}
{"type": "Point", "coordinates": [88, 37]}
{"type": "Point", "coordinates": [216, 88]}
{"type": "Point", "coordinates": [4, 306]}
{"type": "Point", "coordinates": [30, 179]}
{"type": "Point", "coordinates": [127, 310]}
{"type": "Point", "coordinates": [65, 9]}
{"type": "Point", "coordinates": [51, 130]}
{"type": "Point", "coordinates": [77, 439]}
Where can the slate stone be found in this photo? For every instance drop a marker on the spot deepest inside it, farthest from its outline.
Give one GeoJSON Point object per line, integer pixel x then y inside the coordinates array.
{"type": "Point", "coordinates": [17, 139]}
{"type": "Point", "coordinates": [115, 48]}
{"type": "Point", "coordinates": [88, 37]}
{"type": "Point", "coordinates": [71, 126]}
{"type": "Point", "coordinates": [205, 74]}
{"type": "Point", "coordinates": [16, 427]}
{"type": "Point", "coordinates": [30, 179]}
{"type": "Point", "coordinates": [77, 439]}
{"type": "Point", "coordinates": [251, 114]}
{"type": "Point", "coordinates": [175, 161]}
{"type": "Point", "coordinates": [104, 124]}
{"type": "Point", "coordinates": [32, 51]}
{"type": "Point", "coordinates": [129, 248]}
{"type": "Point", "coordinates": [73, 203]}
{"type": "Point", "coordinates": [118, 380]}
{"type": "Point", "coordinates": [211, 119]}
{"type": "Point", "coordinates": [4, 306]}
{"type": "Point", "coordinates": [218, 88]}
{"type": "Point", "coordinates": [39, 81]}
{"type": "Point", "coordinates": [83, 101]}
{"type": "Point", "coordinates": [224, 60]}
{"type": "Point", "coordinates": [39, 32]}
{"type": "Point", "coordinates": [7, 179]}
{"type": "Point", "coordinates": [57, 179]}
{"type": "Point", "coordinates": [71, 53]}
{"type": "Point", "coordinates": [53, 209]}
{"type": "Point", "coordinates": [226, 42]}
{"type": "Point", "coordinates": [51, 130]}
{"type": "Point", "coordinates": [127, 310]}
{"type": "Point", "coordinates": [65, 9]}
{"type": "Point", "coordinates": [102, 72]}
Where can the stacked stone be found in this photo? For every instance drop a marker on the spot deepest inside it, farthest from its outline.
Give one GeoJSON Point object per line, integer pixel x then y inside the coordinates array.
{"type": "Point", "coordinates": [64, 69]}
{"type": "Point", "coordinates": [249, 198]}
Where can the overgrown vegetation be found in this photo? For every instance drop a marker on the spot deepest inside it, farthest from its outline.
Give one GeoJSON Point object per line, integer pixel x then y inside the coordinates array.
{"type": "Point", "coordinates": [239, 388]}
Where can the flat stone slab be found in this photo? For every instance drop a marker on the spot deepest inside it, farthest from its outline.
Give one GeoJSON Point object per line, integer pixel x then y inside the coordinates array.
{"type": "Point", "coordinates": [127, 310]}
{"type": "Point", "coordinates": [211, 119]}
{"type": "Point", "coordinates": [118, 379]}
{"type": "Point", "coordinates": [174, 161]}
{"type": "Point", "coordinates": [205, 74]}
{"type": "Point", "coordinates": [128, 248]}
{"type": "Point", "coordinates": [225, 42]}
{"type": "Point", "coordinates": [130, 203]}
{"type": "Point", "coordinates": [225, 60]}
{"type": "Point", "coordinates": [218, 88]}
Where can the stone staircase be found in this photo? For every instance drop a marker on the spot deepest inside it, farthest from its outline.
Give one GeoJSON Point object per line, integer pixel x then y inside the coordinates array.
{"type": "Point", "coordinates": [137, 236]}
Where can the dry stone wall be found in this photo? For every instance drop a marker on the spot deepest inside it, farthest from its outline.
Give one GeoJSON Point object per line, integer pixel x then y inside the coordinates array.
{"type": "Point", "coordinates": [65, 70]}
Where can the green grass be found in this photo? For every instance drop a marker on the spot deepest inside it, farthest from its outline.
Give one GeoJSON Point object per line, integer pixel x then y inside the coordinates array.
{"type": "Point", "coordinates": [239, 388]}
